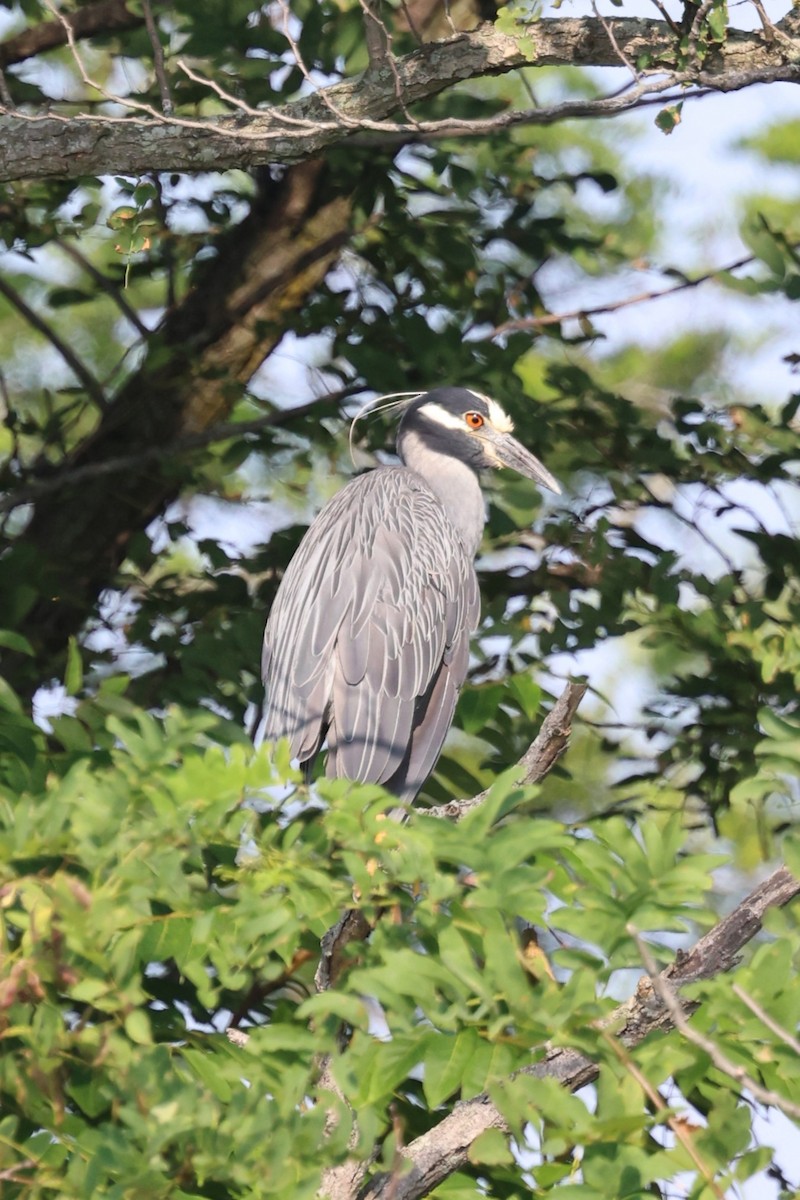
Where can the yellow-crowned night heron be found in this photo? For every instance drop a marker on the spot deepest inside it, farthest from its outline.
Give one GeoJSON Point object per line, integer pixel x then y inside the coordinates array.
{"type": "Point", "coordinates": [367, 643]}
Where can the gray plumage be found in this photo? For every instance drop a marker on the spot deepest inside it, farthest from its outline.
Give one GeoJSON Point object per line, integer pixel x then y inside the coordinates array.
{"type": "Point", "coordinates": [367, 643]}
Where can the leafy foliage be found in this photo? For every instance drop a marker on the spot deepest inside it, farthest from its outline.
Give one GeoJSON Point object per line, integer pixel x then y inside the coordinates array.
{"type": "Point", "coordinates": [158, 889]}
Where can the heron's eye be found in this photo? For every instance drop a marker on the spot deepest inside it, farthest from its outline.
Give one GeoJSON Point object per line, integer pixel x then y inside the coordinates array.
{"type": "Point", "coordinates": [474, 420]}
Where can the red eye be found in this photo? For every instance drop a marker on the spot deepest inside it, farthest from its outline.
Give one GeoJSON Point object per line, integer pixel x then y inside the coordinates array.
{"type": "Point", "coordinates": [474, 420]}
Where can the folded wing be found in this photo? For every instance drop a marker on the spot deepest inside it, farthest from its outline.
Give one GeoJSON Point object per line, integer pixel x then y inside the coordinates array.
{"type": "Point", "coordinates": [367, 643]}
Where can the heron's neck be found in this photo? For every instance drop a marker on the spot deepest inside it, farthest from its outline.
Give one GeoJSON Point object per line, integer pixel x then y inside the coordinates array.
{"type": "Point", "coordinates": [454, 482]}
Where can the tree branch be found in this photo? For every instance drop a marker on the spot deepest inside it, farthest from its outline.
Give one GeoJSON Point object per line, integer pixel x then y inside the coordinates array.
{"type": "Point", "coordinates": [93, 20]}
{"type": "Point", "coordinates": [665, 990]}
{"type": "Point", "coordinates": [56, 479]}
{"type": "Point", "coordinates": [84, 376]}
{"type": "Point", "coordinates": [576, 314]}
{"type": "Point", "coordinates": [37, 146]}
{"type": "Point", "coordinates": [444, 1149]}
{"type": "Point", "coordinates": [540, 757]}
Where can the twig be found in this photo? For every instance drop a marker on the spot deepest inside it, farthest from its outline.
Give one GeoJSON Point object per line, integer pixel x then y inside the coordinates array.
{"type": "Point", "coordinates": [379, 49]}
{"type": "Point", "coordinates": [167, 105]}
{"type": "Point", "coordinates": [675, 29]}
{"type": "Point", "coordinates": [83, 375]}
{"type": "Point", "coordinates": [692, 525]}
{"type": "Point", "coordinates": [11, 1174]}
{"type": "Point", "coordinates": [540, 757]}
{"type": "Point", "coordinates": [542, 322]}
{"type": "Point", "coordinates": [6, 99]}
{"type": "Point", "coordinates": [125, 101]}
{"type": "Point", "coordinates": [167, 248]}
{"type": "Point", "coordinates": [623, 57]}
{"type": "Point", "coordinates": [260, 989]}
{"type": "Point", "coordinates": [340, 116]}
{"type": "Point", "coordinates": [666, 993]}
{"type": "Point", "coordinates": [766, 1019]}
{"type": "Point", "coordinates": [677, 1126]}
{"type": "Point", "coordinates": [376, 35]}
{"type": "Point", "coordinates": [697, 28]}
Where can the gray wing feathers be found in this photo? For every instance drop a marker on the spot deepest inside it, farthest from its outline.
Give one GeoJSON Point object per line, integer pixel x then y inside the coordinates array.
{"type": "Point", "coordinates": [367, 642]}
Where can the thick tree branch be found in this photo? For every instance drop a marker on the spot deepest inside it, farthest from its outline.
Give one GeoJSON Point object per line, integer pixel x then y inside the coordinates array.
{"type": "Point", "coordinates": [94, 20]}
{"type": "Point", "coordinates": [36, 146]}
{"type": "Point", "coordinates": [444, 1149]}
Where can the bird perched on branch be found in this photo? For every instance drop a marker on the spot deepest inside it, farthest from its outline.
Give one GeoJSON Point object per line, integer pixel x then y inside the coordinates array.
{"type": "Point", "coordinates": [367, 642]}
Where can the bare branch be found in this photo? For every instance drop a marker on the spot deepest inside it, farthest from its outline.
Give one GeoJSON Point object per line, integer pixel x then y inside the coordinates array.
{"type": "Point", "coordinates": [540, 757]}
{"type": "Point", "coordinates": [677, 1125]}
{"type": "Point", "coordinates": [623, 57]}
{"type": "Point", "coordinates": [167, 105]}
{"type": "Point", "coordinates": [125, 101]}
{"type": "Point", "coordinates": [579, 314]}
{"type": "Point", "coordinates": [6, 99]}
{"type": "Point", "coordinates": [376, 35]}
{"type": "Point", "coordinates": [766, 1019]}
{"type": "Point", "coordinates": [697, 28]}
{"type": "Point", "coordinates": [68, 476]}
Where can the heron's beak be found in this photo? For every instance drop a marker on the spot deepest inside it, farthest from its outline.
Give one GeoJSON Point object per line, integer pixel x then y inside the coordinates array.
{"type": "Point", "coordinates": [508, 452]}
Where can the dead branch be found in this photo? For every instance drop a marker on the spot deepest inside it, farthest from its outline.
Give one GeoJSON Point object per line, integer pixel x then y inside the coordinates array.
{"type": "Point", "coordinates": [540, 757]}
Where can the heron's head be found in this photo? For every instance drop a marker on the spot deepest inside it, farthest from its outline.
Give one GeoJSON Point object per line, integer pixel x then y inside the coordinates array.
{"type": "Point", "coordinates": [471, 428]}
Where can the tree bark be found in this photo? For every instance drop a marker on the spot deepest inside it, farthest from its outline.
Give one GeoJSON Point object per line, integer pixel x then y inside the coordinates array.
{"type": "Point", "coordinates": [37, 146]}
{"type": "Point", "coordinates": [198, 360]}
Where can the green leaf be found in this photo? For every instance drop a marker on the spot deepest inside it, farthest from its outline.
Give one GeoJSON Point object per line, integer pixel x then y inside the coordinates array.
{"type": "Point", "coordinates": [490, 1148]}
{"type": "Point", "coordinates": [669, 118]}
{"type": "Point", "coordinates": [15, 641]}
{"type": "Point", "coordinates": [446, 1059]}
{"type": "Point", "coordinates": [73, 675]}
{"type": "Point", "coordinates": [208, 1069]}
